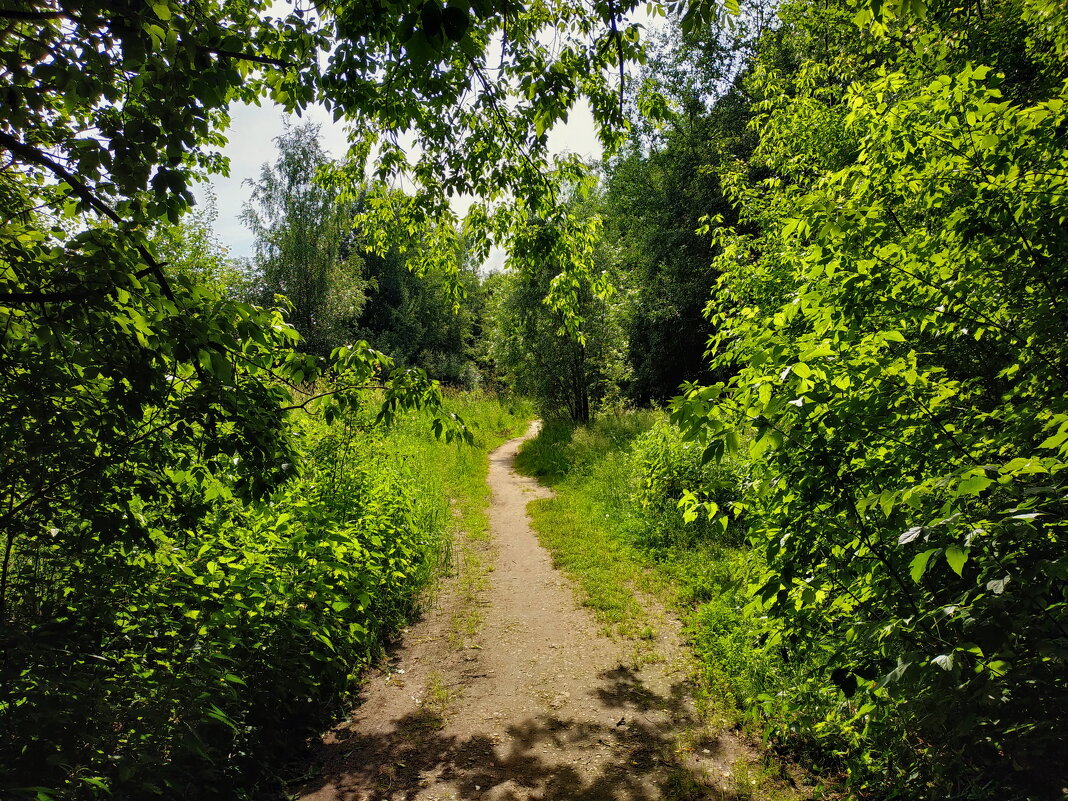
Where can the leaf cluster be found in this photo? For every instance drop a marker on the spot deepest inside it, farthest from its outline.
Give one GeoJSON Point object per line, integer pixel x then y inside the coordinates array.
{"type": "Point", "coordinates": [894, 331]}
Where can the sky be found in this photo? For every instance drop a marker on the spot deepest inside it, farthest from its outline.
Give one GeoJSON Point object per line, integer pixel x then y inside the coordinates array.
{"type": "Point", "coordinates": [251, 136]}
{"type": "Point", "coordinates": [253, 130]}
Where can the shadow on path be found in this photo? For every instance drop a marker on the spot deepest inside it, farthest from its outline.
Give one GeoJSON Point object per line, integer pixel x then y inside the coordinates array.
{"type": "Point", "coordinates": [627, 757]}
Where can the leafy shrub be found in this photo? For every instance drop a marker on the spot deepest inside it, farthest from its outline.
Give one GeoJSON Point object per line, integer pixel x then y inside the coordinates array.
{"type": "Point", "coordinates": [668, 470]}
{"type": "Point", "coordinates": [181, 666]}
{"type": "Point", "coordinates": [563, 448]}
{"type": "Point", "coordinates": [902, 403]}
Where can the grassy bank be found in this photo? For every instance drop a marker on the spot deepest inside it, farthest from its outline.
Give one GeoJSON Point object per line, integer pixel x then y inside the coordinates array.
{"type": "Point", "coordinates": [189, 666]}
{"type": "Point", "coordinates": [615, 526]}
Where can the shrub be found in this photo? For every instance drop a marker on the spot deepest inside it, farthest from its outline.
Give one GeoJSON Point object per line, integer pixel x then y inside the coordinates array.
{"type": "Point", "coordinates": [667, 469]}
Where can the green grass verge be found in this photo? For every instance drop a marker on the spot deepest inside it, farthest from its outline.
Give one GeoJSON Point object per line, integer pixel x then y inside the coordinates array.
{"type": "Point", "coordinates": [459, 472]}
{"type": "Point", "coordinates": [610, 530]}
{"type": "Point", "coordinates": [590, 555]}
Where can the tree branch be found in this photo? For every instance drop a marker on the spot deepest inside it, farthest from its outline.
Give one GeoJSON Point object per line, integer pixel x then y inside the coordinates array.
{"type": "Point", "coordinates": [29, 16]}
{"type": "Point", "coordinates": [330, 392]}
{"type": "Point", "coordinates": [43, 297]}
{"type": "Point", "coordinates": [508, 132]}
{"type": "Point", "coordinates": [619, 50]}
{"type": "Point", "coordinates": [81, 189]}
{"type": "Point", "coordinates": [274, 62]}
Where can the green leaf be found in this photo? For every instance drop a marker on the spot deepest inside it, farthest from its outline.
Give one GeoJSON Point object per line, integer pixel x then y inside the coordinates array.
{"type": "Point", "coordinates": [944, 661]}
{"type": "Point", "coordinates": [1055, 441]}
{"type": "Point", "coordinates": [973, 485]}
{"type": "Point", "coordinates": [918, 566]}
{"type": "Point", "coordinates": [455, 21]}
{"type": "Point", "coordinates": [956, 557]}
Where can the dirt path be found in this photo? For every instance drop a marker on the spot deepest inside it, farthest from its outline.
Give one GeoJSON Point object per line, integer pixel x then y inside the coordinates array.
{"type": "Point", "coordinates": [506, 691]}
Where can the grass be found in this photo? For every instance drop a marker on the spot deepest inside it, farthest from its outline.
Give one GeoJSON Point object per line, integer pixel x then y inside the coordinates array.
{"type": "Point", "coordinates": [619, 545]}
{"type": "Point", "coordinates": [579, 463]}
{"type": "Point", "coordinates": [466, 619]}
{"type": "Point", "coordinates": [588, 554]}
{"type": "Point", "coordinates": [439, 697]}
{"type": "Point", "coordinates": [622, 543]}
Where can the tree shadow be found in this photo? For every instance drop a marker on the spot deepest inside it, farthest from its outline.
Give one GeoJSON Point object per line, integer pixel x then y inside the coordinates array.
{"type": "Point", "coordinates": [624, 756]}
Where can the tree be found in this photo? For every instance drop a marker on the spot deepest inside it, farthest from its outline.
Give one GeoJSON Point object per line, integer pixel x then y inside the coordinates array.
{"type": "Point", "coordinates": [190, 248]}
{"type": "Point", "coordinates": [572, 362]}
{"type": "Point", "coordinates": [664, 183]}
{"type": "Point", "coordinates": [893, 322]}
{"type": "Point", "coordinates": [112, 108]}
{"type": "Point", "coordinates": [411, 316]}
{"type": "Point", "coordinates": [304, 247]}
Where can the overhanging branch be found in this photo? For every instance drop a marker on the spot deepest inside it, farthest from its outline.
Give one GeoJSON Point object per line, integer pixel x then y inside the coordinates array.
{"type": "Point", "coordinates": [273, 62]}
{"type": "Point", "coordinates": [34, 155]}
{"type": "Point", "coordinates": [29, 16]}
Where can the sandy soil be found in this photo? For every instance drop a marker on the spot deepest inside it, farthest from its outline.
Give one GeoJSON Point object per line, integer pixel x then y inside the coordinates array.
{"type": "Point", "coordinates": [507, 690]}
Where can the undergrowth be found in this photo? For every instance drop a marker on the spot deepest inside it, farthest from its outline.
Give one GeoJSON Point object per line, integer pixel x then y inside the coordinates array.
{"type": "Point", "coordinates": [194, 663]}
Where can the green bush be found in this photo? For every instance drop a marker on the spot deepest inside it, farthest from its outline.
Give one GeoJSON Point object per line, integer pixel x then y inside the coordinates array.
{"type": "Point", "coordinates": [667, 469]}
{"type": "Point", "coordinates": [564, 448]}
{"type": "Point", "coordinates": [180, 667]}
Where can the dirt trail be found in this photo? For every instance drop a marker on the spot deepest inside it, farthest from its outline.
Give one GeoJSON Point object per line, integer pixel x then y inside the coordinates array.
{"type": "Point", "coordinates": [533, 703]}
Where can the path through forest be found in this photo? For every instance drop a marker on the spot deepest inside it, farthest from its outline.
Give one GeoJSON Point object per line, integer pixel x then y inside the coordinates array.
{"type": "Point", "coordinates": [508, 690]}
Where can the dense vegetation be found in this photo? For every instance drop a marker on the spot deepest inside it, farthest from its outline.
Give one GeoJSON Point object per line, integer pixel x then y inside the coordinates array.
{"type": "Point", "coordinates": [830, 237]}
{"type": "Point", "coordinates": [883, 397]}
{"type": "Point", "coordinates": [182, 668]}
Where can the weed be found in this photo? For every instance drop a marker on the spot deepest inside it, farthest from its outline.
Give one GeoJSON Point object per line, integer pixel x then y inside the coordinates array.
{"type": "Point", "coordinates": [681, 786]}
{"type": "Point", "coordinates": [438, 696]}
